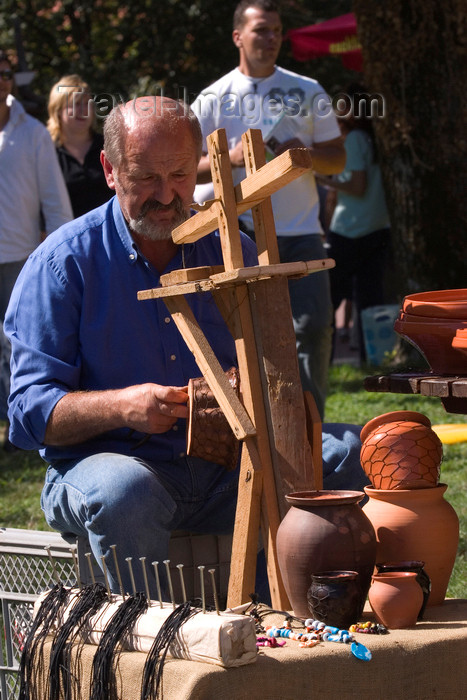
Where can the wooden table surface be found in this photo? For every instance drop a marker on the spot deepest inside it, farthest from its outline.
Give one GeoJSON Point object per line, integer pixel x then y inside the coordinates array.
{"type": "Point", "coordinates": [452, 390]}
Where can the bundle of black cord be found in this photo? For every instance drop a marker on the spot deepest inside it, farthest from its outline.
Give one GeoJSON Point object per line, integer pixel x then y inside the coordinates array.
{"type": "Point", "coordinates": [87, 602]}
{"type": "Point", "coordinates": [154, 664]}
{"type": "Point", "coordinates": [31, 668]}
{"type": "Point", "coordinates": [119, 626]}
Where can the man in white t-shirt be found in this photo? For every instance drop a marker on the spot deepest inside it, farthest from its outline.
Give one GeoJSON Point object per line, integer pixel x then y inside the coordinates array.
{"type": "Point", "coordinates": [33, 197]}
{"type": "Point", "coordinates": [292, 111]}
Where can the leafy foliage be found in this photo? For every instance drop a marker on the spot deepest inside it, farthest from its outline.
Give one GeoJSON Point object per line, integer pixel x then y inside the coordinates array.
{"type": "Point", "coordinates": [127, 49]}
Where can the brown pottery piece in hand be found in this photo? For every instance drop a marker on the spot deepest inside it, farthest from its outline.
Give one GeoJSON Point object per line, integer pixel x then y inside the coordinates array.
{"type": "Point", "coordinates": [209, 435]}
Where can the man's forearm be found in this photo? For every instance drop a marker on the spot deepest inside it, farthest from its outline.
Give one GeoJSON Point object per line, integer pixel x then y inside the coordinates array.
{"type": "Point", "coordinates": [328, 159]}
{"type": "Point", "coordinates": [80, 416]}
{"type": "Point", "coordinates": [204, 171]}
{"type": "Point", "coordinates": [147, 408]}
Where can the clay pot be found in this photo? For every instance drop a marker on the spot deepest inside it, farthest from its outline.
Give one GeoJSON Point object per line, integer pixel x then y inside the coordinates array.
{"type": "Point", "coordinates": [401, 451]}
{"type": "Point", "coordinates": [334, 598]}
{"type": "Point", "coordinates": [444, 303]}
{"type": "Point", "coordinates": [395, 598]}
{"type": "Point", "coordinates": [417, 567]}
{"type": "Point", "coordinates": [434, 341]}
{"type": "Point", "coordinates": [324, 531]}
{"type": "Point", "coordinates": [208, 433]}
{"type": "Point", "coordinates": [460, 340]}
{"type": "Point", "coordinates": [416, 524]}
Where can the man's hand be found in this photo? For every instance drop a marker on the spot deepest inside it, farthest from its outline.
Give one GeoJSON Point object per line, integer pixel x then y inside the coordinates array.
{"type": "Point", "coordinates": [152, 408]}
{"type": "Point", "coordinates": [291, 143]}
{"type": "Point", "coordinates": [236, 156]}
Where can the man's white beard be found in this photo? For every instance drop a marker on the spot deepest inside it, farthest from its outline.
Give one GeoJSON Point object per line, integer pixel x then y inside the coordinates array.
{"type": "Point", "coordinates": [153, 231]}
{"type": "Point", "coordinates": [158, 231]}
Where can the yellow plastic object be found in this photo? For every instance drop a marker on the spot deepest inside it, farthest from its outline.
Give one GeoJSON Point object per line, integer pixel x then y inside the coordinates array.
{"type": "Point", "coordinates": [449, 433]}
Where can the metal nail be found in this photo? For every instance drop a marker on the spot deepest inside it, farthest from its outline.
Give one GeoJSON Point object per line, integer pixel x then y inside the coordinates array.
{"type": "Point", "coordinates": [106, 577]}
{"type": "Point", "coordinates": [130, 568]}
{"type": "Point", "coordinates": [203, 597]}
{"type": "Point", "coordinates": [182, 581]}
{"type": "Point", "coordinates": [113, 547]}
{"type": "Point", "coordinates": [214, 590]}
{"type": "Point", "coordinates": [91, 570]}
{"type": "Point", "coordinates": [145, 577]}
{"type": "Point", "coordinates": [55, 575]}
{"type": "Point", "coordinates": [169, 578]}
{"type": "Point", "coordinates": [75, 566]}
{"type": "Point", "coordinates": [158, 582]}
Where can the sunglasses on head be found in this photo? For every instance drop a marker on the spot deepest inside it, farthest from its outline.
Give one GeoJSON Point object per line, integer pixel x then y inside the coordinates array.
{"type": "Point", "coordinates": [6, 74]}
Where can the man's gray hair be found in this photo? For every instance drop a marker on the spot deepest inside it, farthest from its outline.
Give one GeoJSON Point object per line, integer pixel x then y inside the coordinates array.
{"type": "Point", "coordinates": [115, 131]}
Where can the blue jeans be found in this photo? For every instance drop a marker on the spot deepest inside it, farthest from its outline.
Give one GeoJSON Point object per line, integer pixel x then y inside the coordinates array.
{"type": "Point", "coordinates": [310, 301]}
{"type": "Point", "coordinates": [121, 500]}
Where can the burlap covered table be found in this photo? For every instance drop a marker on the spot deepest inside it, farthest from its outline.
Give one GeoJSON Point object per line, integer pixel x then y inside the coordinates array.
{"type": "Point", "coordinates": [427, 662]}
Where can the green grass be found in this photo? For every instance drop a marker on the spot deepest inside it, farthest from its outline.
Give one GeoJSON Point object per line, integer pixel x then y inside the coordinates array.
{"type": "Point", "coordinates": [22, 473]}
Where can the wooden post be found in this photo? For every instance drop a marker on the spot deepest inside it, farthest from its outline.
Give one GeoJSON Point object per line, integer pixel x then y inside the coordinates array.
{"type": "Point", "coordinates": [272, 418]}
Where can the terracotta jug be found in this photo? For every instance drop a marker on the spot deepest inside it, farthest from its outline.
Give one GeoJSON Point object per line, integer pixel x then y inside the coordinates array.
{"type": "Point", "coordinates": [324, 531]}
{"type": "Point", "coordinates": [395, 598]}
{"type": "Point", "coordinates": [416, 524]}
{"type": "Point", "coordinates": [401, 451]}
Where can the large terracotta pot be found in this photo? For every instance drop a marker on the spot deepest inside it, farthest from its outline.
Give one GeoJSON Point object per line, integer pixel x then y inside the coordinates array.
{"type": "Point", "coordinates": [416, 524]}
{"type": "Point", "coordinates": [395, 598]}
{"type": "Point", "coordinates": [324, 531]}
{"type": "Point", "coordinates": [401, 451]}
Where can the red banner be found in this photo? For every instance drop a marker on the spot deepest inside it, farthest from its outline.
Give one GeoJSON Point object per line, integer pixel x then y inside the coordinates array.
{"type": "Point", "coordinates": [336, 36]}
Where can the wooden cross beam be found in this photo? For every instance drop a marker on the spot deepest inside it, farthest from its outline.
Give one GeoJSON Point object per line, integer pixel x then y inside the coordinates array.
{"type": "Point", "coordinates": [272, 419]}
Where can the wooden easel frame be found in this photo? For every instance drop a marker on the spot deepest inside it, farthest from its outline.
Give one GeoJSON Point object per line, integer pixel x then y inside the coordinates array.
{"type": "Point", "coordinates": [274, 422]}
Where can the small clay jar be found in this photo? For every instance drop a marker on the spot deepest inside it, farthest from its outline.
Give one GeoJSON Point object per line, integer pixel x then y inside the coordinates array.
{"type": "Point", "coordinates": [334, 598]}
{"type": "Point", "coordinates": [401, 451]}
{"type": "Point", "coordinates": [422, 577]}
{"type": "Point", "coordinates": [395, 598]}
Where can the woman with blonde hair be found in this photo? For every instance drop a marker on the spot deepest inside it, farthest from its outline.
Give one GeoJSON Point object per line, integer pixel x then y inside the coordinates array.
{"type": "Point", "coordinates": [72, 126]}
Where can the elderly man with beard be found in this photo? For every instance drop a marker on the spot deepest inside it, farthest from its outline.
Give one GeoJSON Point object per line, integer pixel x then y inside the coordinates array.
{"type": "Point", "coordinates": [94, 370]}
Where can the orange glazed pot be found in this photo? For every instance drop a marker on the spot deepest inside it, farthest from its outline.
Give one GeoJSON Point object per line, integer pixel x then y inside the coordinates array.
{"type": "Point", "coordinates": [401, 451]}
{"type": "Point", "coordinates": [416, 524]}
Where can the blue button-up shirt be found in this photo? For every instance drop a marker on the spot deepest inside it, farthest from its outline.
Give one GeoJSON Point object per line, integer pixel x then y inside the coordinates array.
{"type": "Point", "coordinates": [75, 323]}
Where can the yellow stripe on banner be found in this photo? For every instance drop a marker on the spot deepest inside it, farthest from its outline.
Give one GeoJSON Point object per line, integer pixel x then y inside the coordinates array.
{"type": "Point", "coordinates": [449, 433]}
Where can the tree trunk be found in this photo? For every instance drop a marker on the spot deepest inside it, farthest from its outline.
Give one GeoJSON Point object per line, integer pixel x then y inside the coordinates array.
{"type": "Point", "coordinates": [414, 55]}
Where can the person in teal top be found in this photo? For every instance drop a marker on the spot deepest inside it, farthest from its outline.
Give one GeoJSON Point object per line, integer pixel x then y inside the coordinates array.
{"type": "Point", "coordinates": [359, 232]}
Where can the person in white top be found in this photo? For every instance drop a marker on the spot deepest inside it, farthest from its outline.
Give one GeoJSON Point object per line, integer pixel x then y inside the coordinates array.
{"type": "Point", "coordinates": [33, 198]}
{"type": "Point", "coordinates": [292, 111]}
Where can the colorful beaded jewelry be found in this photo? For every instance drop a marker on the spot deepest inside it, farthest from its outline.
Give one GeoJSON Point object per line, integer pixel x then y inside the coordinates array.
{"type": "Point", "coordinates": [368, 628]}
